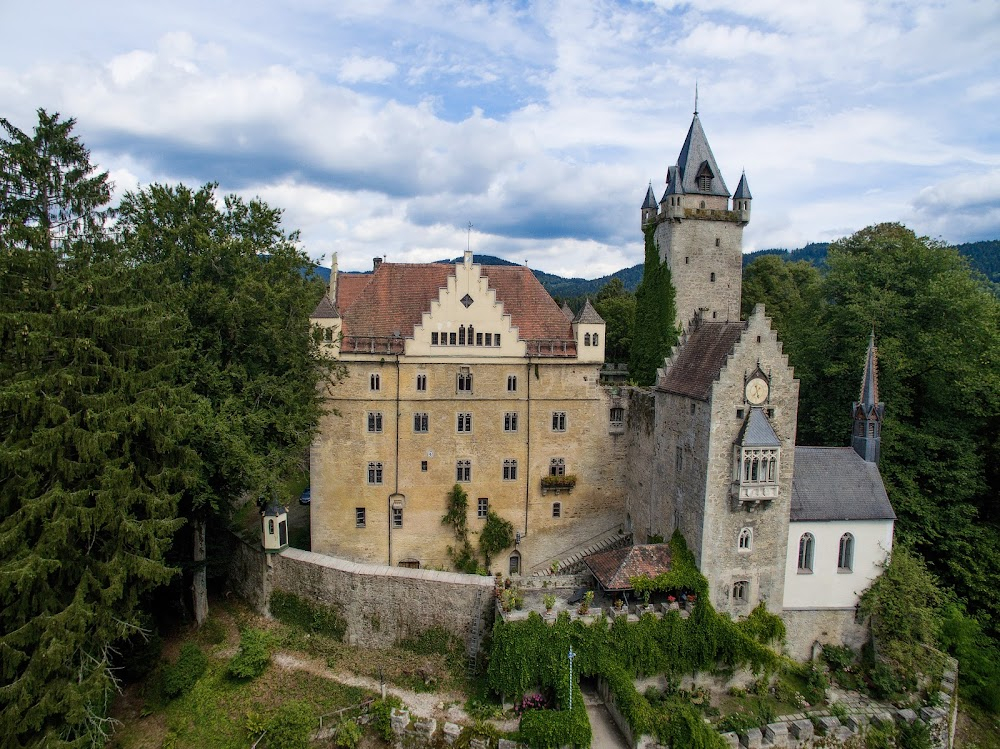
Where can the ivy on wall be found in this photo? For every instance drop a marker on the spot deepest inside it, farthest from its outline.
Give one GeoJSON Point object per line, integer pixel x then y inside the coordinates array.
{"type": "Point", "coordinates": [530, 654]}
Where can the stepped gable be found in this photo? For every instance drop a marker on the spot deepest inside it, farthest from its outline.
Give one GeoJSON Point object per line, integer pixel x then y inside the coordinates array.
{"type": "Point", "coordinates": [835, 483]}
{"type": "Point", "coordinates": [392, 300]}
{"type": "Point", "coordinates": [700, 358]}
{"type": "Point", "coordinates": [614, 569]}
{"type": "Point", "coordinates": [532, 309]}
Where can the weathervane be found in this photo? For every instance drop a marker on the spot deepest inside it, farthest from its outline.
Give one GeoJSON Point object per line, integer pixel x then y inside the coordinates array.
{"type": "Point", "coordinates": [696, 96]}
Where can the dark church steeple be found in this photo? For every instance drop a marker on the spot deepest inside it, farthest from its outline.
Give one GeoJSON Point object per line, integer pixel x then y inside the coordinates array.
{"type": "Point", "coordinates": [866, 438]}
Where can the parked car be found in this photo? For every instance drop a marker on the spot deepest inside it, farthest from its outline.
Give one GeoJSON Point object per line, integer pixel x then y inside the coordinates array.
{"type": "Point", "coordinates": [306, 496]}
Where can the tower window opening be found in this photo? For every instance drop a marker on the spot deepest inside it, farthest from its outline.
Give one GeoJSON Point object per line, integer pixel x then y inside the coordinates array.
{"type": "Point", "coordinates": [806, 548]}
{"type": "Point", "coordinates": [745, 542]}
{"type": "Point", "coordinates": [711, 277]}
{"type": "Point", "coordinates": [718, 241]}
{"type": "Point", "coordinates": [704, 183]}
{"type": "Point", "coordinates": [740, 591]}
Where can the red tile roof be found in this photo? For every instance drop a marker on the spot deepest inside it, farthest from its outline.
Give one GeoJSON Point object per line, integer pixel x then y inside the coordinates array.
{"type": "Point", "coordinates": [391, 301]}
{"type": "Point", "coordinates": [701, 358]}
{"type": "Point", "coordinates": [614, 569]}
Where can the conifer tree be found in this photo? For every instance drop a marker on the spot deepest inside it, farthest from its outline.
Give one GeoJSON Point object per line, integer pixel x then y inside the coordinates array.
{"type": "Point", "coordinates": [246, 291]}
{"type": "Point", "coordinates": [91, 430]}
{"type": "Point", "coordinates": [655, 310]}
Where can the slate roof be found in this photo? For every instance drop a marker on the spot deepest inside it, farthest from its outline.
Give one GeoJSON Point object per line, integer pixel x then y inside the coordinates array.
{"type": "Point", "coordinates": [650, 201]}
{"type": "Point", "coordinates": [391, 300]}
{"type": "Point", "coordinates": [743, 189]}
{"type": "Point", "coordinates": [325, 308]}
{"type": "Point", "coordinates": [694, 153]}
{"type": "Point", "coordinates": [614, 568]}
{"type": "Point", "coordinates": [567, 311]}
{"type": "Point", "coordinates": [701, 358]}
{"type": "Point", "coordinates": [588, 315]}
{"type": "Point", "coordinates": [835, 483]}
{"type": "Point", "coordinates": [757, 431]}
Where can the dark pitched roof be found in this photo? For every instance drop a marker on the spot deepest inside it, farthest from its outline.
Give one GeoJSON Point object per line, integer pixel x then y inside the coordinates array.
{"type": "Point", "coordinates": [835, 483]}
{"type": "Point", "coordinates": [696, 155]}
{"type": "Point", "coordinates": [391, 300]}
{"type": "Point", "coordinates": [674, 186]}
{"type": "Point", "coordinates": [650, 201]}
{"type": "Point", "coordinates": [743, 189]}
{"type": "Point", "coordinates": [757, 431]}
{"type": "Point", "coordinates": [567, 311]}
{"type": "Point", "coordinates": [613, 569]}
{"type": "Point", "coordinates": [325, 308]}
{"type": "Point", "coordinates": [701, 358]}
{"type": "Point", "coordinates": [588, 315]}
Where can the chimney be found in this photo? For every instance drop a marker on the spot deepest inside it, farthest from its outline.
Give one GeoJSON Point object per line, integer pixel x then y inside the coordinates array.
{"type": "Point", "coordinates": [376, 262]}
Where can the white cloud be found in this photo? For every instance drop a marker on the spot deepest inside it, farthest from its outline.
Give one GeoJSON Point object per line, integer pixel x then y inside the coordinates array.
{"type": "Point", "coordinates": [356, 69]}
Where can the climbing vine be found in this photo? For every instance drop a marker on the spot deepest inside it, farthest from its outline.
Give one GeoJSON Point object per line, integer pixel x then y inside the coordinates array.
{"type": "Point", "coordinates": [462, 555]}
{"type": "Point", "coordinates": [531, 654]}
{"type": "Point", "coordinates": [497, 535]}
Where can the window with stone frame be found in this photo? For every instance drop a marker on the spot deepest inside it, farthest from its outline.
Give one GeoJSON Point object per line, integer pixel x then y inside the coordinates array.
{"type": "Point", "coordinates": [420, 422]}
{"type": "Point", "coordinates": [464, 422]}
{"type": "Point", "coordinates": [359, 517]}
{"type": "Point", "coordinates": [511, 383]}
{"type": "Point", "coordinates": [397, 517]}
{"type": "Point", "coordinates": [374, 382]}
{"type": "Point", "coordinates": [510, 421]}
{"type": "Point", "coordinates": [374, 421]}
{"type": "Point", "coordinates": [617, 416]}
{"type": "Point", "coordinates": [558, 421]}
{"type": "Point", "coordinates": [586, 339]}
{"type": "Point", "coordinates": [741, 591]}
{"type": "Point", "coordinates": [463, 471]}
{"type": "Point", "coordinates": [807, 547]}
{"type": "Point", "coordinates": [557, 467]}
{"type": "Point", "coordinates": [510, 470]}
{"type": "Point", "coordinates": [557, 509]}
{"type": "Point", "coordinates": [594, 339]}
{"type": "Point", "coordinates": [421, 383]}
{"type": "Point", "coordinates": [375, 473]}
{"type": "Point", "coordinates": [845, 554]}
{"type": "Point", "coordinates": [464, 380]}
{"type": "Point", "coordinates": [745, 541]}
{"type": "Point", "coordinates": [483, 508]}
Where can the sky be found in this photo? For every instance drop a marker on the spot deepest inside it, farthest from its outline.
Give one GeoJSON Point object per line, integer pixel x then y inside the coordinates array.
{"type": "Point", "coordinates": [385, 128]}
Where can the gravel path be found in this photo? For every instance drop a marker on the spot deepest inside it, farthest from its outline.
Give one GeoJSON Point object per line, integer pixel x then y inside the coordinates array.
{"type": "Point", "coordinates": [439, 705]}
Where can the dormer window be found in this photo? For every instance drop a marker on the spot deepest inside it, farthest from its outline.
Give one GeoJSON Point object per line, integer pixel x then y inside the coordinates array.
{"type": "Point", "coordinates": [705, 182]}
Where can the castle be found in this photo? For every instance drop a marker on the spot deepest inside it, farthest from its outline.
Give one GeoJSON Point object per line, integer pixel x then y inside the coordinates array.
{"type": "Point", "coordinates": [472, 374]}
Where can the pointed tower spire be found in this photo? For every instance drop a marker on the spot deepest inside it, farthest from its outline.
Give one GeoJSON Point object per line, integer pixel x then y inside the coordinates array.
{"type": "Point", "coordinates": [742, 198]}
{"type": "Point", "coordinates": [866, 438]}
{"type": "Point", "coordinates": [649, 206]}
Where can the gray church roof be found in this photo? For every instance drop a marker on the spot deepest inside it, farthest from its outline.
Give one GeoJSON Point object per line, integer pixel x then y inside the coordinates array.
{"type": "Point", "coordinates": [695, 154]}
{"type": "Point", "coordinates": [835, 483]}
{"type": "Point", "coordinates": [743, 189]}
{"type": "Point", "coordinates": [701, 358]}
{"type": "Point", "coordinates": [757, 431]}
{"type": "Point", "coordinates": [588, 315]}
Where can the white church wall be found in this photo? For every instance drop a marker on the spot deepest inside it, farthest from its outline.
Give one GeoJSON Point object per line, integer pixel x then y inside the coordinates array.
{"type": "Point", "coordinates": [827, 587]}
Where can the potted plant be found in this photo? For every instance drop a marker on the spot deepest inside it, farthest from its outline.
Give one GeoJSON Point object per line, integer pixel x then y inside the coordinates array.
{"type": "Point", "coordinates": [555, 567]}
{"type": "Point", "coordinates": [588, 598]}
{"type": "Point", "coordinates": [619, 605]}
{"type": "Point", "coordinates": [549, 600]}
{"type": "Point", "coordinates": [672, 601]}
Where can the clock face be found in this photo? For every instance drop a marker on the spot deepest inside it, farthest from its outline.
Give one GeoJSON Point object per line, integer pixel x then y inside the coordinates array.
{"type": "Point", "coordinates": [756, 391]}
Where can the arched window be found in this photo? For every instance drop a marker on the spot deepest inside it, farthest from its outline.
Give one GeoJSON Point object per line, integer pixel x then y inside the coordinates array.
{"type": "Point", "coordinates": [741, 591]}
{"type": "Point", "coordinates": [755, 470]}
{"type": "Point", "coordinates": [845, 557]}
{"type": "Point", "coordinates": [515, 563]}
{"type": "Point", "coordinates": [586, 339]}
{"type": "Point", "coordinates": [771, 467]}
{"type": "Point", "coordinates": [806, 548]}
{"type": "Point", "coordinates": [472, 336]}
{"type": "Point", "coordinates": [746, 469]}
{"type": "Point", "coordinates": [374, 382]}
{"type": "Point", "coordinates": [595, 339]}
{"type": "Point", "coordinates": [461, 335]}
{"type": "Point", "coordinates": [746, 539]}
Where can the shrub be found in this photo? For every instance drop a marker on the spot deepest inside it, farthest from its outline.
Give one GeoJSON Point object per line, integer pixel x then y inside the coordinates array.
{"type": "Point", "coordinates": [290, 727]}
{"type": "Point", "coordinates": [349, 734]}
{"type": "Point", "coordinates": [381, 715]}
{"type": "Point", "coordinates": [181, 676]}
{"type": "Point", "coordinates": [253, 656]}
{"type": "Point", "coordinates": [838, 657]}
{"type": "Point", "coordinates": [915, 735]}
{"type": "Point", "coordinates": [297, 612]}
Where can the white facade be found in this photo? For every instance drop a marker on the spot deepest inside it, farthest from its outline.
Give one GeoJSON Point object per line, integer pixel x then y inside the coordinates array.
{"type": "Point", "coordinates": [827, 585]}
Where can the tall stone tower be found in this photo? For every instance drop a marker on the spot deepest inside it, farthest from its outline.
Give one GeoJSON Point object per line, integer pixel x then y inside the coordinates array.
{"type": "Point", "coordinates": [698, 235]}
{"type": "Point", "coordinates": [866, 437]}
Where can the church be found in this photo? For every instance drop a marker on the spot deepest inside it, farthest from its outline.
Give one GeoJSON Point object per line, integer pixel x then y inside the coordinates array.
{"type": "Point", "coordinates": [472, 374]}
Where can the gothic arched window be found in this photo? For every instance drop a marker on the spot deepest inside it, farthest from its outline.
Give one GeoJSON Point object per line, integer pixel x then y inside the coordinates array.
{"type": "Point", "coordinates": [845, 557]}
{"type": "Point", "coordinates": [741, 590]}
{"type": "Point", "coordinates": [806, 548]}
{"type": "Point", "coordinates": [746, 539]}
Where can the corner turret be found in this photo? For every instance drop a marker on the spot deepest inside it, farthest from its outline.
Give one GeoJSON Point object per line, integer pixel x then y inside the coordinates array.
{"type": "Point", "coordinates": [742, 198]}
{"type": "Point", "coordinates": [866, 438]}
{"type": "Point", "coordinates": [649, 206]}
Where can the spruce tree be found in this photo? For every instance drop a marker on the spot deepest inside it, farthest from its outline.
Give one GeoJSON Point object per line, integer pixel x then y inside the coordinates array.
{"type": "Point", "coordinates": [246, 291]}
{"type": "Point", "coordinates": [655, 310]}
{"type": "Point", "coordinates": [91, 444]}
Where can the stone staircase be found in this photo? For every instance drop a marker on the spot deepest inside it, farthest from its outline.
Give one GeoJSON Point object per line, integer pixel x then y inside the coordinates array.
{"type": "Point", "coordinates": [571, 560]}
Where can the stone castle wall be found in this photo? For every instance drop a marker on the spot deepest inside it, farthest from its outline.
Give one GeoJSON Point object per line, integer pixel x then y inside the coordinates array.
{"type": "Point", "coordinates": [381, 605]}
{"type": "Point", "coordinates": [825, 626]}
